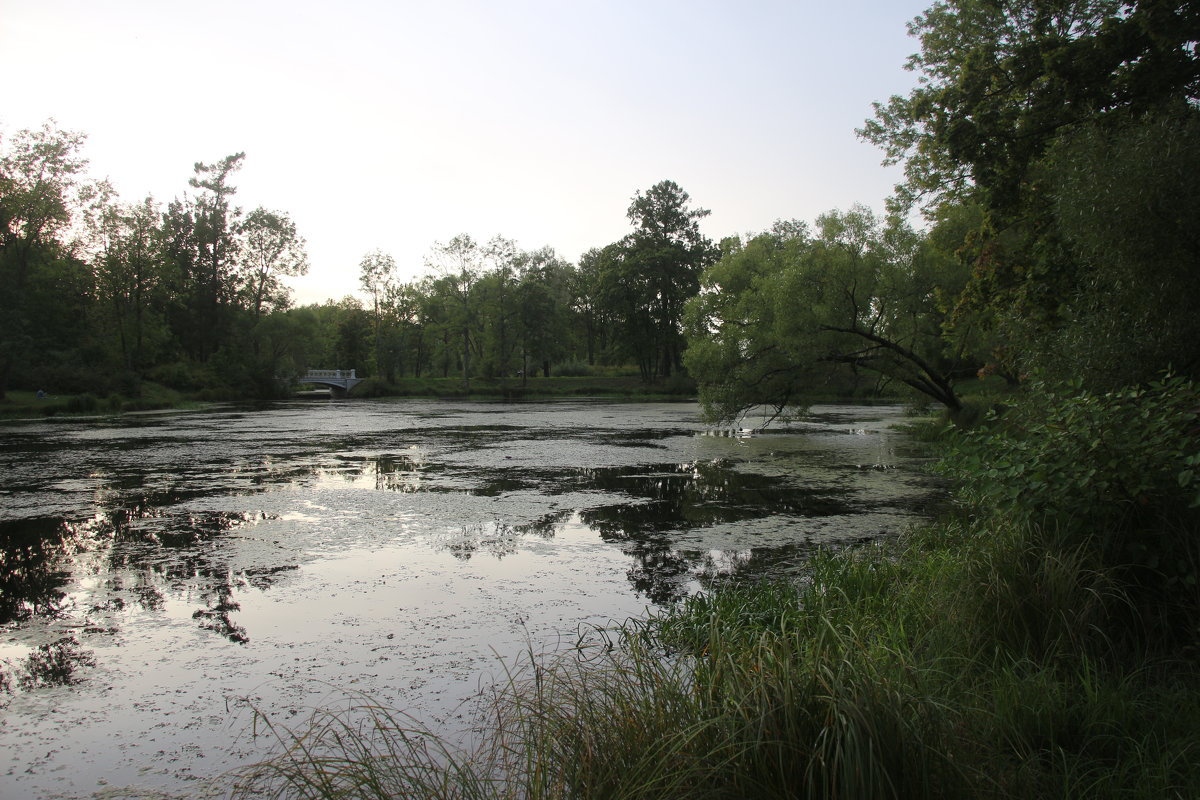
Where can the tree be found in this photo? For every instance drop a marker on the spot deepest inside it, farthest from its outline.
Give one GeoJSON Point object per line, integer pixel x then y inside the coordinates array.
{"type": "Point", "coordinates": [211, 287]}
{"type": "Point", "coordinates": [130, 268]}
{"type": "Point", "coordinates": [1000, 80]}
{"type": "Point", "coordinates": [350, 350]}
{"type": "Point", "coordinates": [777, 314]}
{"type": "Point", "coordinates": [376, 276]}
{"type": "Point", "coordinates": [1126, 203]}
{"type": "Point", "coordinates": [406, 345]}
{"type": "Point", "coordinates": [586, 288]}
{"type": "Point", "coordinates": [460, 264]}
{"type": "Point", "coordinates": [661, 266]}
{"type": "Point", "coordinates": [1003, 85]}
{"type": "Point", "coordinates": [39, 192]}
{"type": "Point", "coordinates": [625, 295]}
{"type": "Point", "coordinates": [496, 306]}
{"type": "Point", "coordinates": [543, 303]}
{"type": "Point", "coordinates": [269, 247]}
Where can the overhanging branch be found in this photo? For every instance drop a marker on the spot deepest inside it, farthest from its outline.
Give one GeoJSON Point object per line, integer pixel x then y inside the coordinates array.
{"type": "Point", "coordinates": [929, 381]}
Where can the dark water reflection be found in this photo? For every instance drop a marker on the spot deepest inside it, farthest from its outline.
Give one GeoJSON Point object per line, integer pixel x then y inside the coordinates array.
{"type": "Point", "coordinates": [158, 534]}
{"type": "Point", "coordinates": [167, 539]}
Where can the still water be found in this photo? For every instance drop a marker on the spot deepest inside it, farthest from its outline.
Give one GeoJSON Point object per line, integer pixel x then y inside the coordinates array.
{"type": "Point", "coordinates": [164, 576]}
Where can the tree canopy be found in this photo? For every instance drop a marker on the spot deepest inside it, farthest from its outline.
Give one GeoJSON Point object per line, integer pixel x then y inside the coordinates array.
{"type": "Point", "coordinates": [1052, 149]}
{"type": "Point", "coordinates": [788, 315]}
{"type": "Point", "coordinates": [1020, 100]}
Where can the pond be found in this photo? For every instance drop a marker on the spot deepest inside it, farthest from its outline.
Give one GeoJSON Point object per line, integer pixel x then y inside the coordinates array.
{"type": "Point", "coordinates": [163, 577]}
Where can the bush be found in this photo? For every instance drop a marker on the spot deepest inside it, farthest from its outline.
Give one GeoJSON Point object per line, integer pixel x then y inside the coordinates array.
{"type": "Point", "coordinates": [83, 403]}
{"type": "Point", "coordinates": [374, 387]}
{"type": "Point", "coordinates": [1115, 474]}
{"type": "Point", "coordinates": [182, 376]}
{"type": "Point", "coordinates": [575, 369]}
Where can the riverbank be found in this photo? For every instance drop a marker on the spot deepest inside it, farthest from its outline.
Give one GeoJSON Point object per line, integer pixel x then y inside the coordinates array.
{"type": "Point", "coordinates": [22, 405]}
{"type": "Point", "coordinates": [917, 670]}
{"type": "Point", "coordinates": [614, 387]}
{"type": "Point", "coordinates": [1038, 642]}
{"type": "Point", "coordinates": [154, 396]}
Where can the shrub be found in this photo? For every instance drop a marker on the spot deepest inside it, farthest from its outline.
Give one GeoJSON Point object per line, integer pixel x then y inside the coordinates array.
{"type": "Point", "coordinates": [83, 403]}
{"type": "Point", "coordinates": [182, 376]}
{"type": "Point", "coordinates": [1115, 474]}
{"type": "Point", "coordinates": [574, 369]}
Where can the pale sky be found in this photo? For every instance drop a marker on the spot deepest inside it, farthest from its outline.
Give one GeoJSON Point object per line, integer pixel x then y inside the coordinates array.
{"type": "Point", "coordinates": [393, 125]}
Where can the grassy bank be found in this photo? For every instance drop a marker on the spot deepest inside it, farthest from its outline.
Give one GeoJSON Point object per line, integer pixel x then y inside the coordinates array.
{"type": "Point", "coordinates": [1040, 642]}
{"type": "Point", "coordinates": [963, 661]}
{"type": "Point", "coordinates": [151, 397]}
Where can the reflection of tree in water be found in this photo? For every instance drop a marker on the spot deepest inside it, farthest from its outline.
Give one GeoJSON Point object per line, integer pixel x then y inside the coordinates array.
{"type": "Point", "coordinates": [778, 562]}
{"type": "Point", "coordinates": [396, 473]}
{"type": "Point", "coordinates": [142, 548]}
{"type": "Point", "coordinates": [220, 604]}
{"type": "Point", "coordinates": [32, 556]}
{"type": "Point", "coordinates": [659, 572]}
{"type": "Point", "coordinates": [55, 663]}
{"type": "Point", "coordinates": [674, 497]}
{"type": "Point", "coordinates": [36, 557]}
{"type": "Point", "coordinates": [660, 500]}
{"type": "Point", "coordinates": [500, 539]}
{"type": "Point", "coordinates": [493, 538]}
{"type": "Point", "coordinates": [699, 494]}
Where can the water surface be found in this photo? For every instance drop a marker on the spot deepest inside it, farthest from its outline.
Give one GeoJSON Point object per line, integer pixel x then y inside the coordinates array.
{"type": "Point", "coordinates": [162, 575]}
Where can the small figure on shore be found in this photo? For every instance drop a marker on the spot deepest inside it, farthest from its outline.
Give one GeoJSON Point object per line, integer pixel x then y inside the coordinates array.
{"type": "Point", "coordinates": [41, 394]}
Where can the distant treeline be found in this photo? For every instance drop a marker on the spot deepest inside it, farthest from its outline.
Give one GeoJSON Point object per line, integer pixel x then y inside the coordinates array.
{"type": "Point", "coordinates": [101, 295]}
{"type": "Point", "coordinates": [1055, 168]}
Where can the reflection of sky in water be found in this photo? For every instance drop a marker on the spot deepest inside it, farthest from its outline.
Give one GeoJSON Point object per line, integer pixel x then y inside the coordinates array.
{"type": "Point", "coordinates": [162, 572]}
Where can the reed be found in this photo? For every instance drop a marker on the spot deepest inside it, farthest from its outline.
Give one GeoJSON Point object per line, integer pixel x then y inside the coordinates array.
{"type": "Point", "coordinates": [918, 669]}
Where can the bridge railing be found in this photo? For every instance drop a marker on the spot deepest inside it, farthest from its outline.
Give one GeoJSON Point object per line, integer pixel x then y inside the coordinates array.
{"type": "Point", "coordinates": [338, 374]}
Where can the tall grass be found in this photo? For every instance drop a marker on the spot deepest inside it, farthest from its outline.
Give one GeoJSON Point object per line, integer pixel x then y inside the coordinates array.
{"type": "Point", "coordinates": [1040, 643]}
{"type": "Point", "coordinates": [961, 661]}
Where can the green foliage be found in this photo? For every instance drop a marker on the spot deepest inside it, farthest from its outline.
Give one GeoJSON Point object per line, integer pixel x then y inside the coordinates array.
{"type": "Point", "coordinates": [83, 403]}
{"type": "Point", "coordinates": [181, 375]}
{"type": "Point", "coordinates": [785, 316]}
{"type": "Point", "coordinates": [1067, 456]}
{"type": "Point", "coordinates": [1111, 476]}
{"type": "Point", "coordinates": [192, 294]}
{"type": "Point", "coordinates": [40, 189]}
{"type": "Point", "coordinates": [573, 370]}
{"type": "Point", "coordinates": [1070, 126]}
{"type": "Point", "coordinates": [642, 283]}
{"type": "Point", "coordinates": [269, 247]}
{"type": "Point", "coordinates": [373, 387]}
{"type": "Point", "coordinates": [1001, 80]}
{"type": "Point", "coordinates": [1126, 203]}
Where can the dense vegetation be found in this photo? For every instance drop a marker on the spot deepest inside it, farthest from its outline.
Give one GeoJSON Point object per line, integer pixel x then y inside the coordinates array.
{"type": "Point", "coordinates": [1053, 148]}
{"type": "Point", "coordinates": [1039, 642]}
{"type": "Point", "coordinates": [1050, 146]}
{"type": "Point", "coordinates": [103, 297]}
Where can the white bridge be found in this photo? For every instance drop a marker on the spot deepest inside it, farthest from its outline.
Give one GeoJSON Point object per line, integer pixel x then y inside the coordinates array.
{"type": "Point", "coordinates": [342, 380]}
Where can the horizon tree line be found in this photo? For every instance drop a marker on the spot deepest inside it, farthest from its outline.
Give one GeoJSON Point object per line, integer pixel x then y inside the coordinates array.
{"type": "Point", "coordinates": [103, 294]}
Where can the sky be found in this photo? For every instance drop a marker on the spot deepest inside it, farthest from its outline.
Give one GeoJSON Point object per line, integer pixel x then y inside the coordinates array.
{"type": "Point", "coordinates": [395, 125]}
